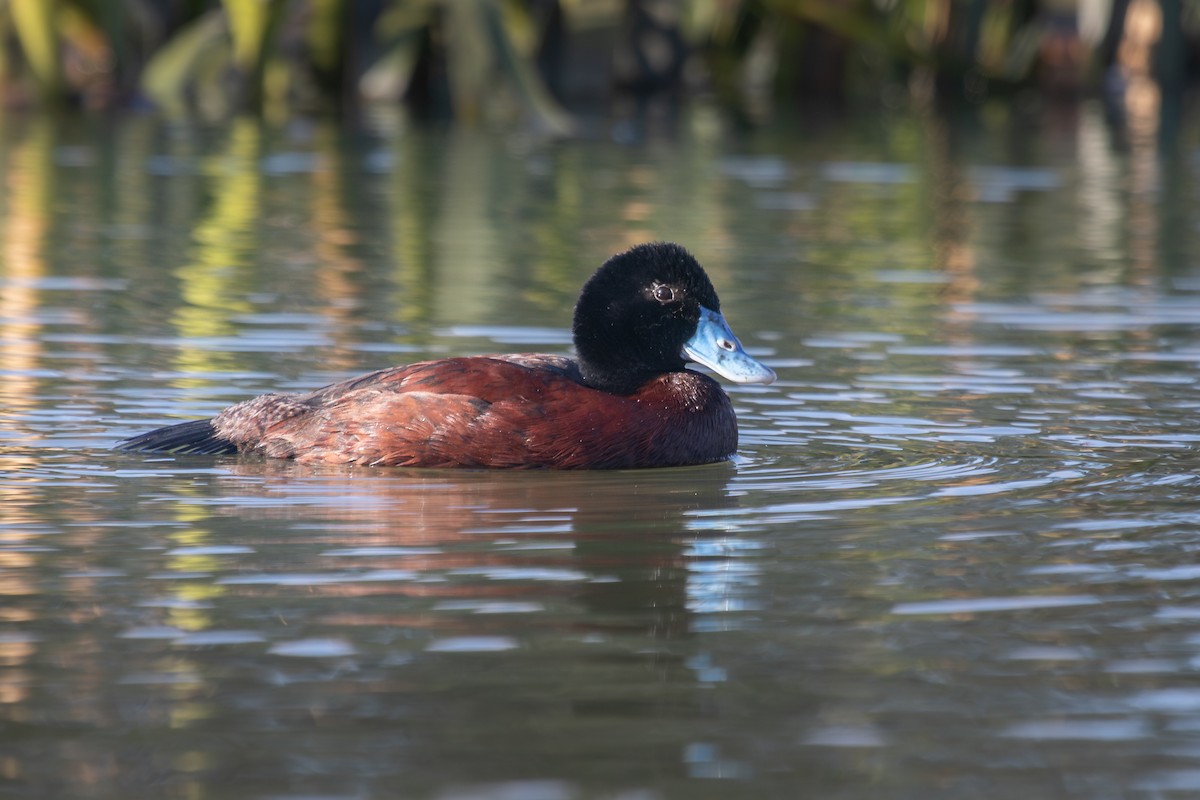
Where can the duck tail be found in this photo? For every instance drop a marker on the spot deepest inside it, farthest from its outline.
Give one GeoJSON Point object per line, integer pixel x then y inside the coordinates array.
{"type": "Point", "coordinates": [197, 437]}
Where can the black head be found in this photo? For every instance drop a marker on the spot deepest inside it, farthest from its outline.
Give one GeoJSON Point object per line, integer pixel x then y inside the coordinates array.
{"type": "Point", "coordinates": [637, 312]}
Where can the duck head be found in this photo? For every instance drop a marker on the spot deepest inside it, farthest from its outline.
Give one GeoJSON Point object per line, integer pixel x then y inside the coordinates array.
{"type": "Point", "coordinates": [649, 311]}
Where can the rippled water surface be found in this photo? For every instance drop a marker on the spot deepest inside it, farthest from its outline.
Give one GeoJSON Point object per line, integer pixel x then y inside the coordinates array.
{"type": "Point", "coordinates": [958, 554]}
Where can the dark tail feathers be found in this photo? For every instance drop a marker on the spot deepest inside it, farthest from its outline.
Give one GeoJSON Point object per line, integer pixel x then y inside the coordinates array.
{"type": "Point", "coordinates": [197, 437]}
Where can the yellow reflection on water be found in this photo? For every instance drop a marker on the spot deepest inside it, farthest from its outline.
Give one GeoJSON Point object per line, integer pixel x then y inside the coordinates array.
{"type": "Point", "coordinates": [30, 194]}
{"type": "Point", "coordinates": [224, 245]}
{"type": "Point", "coordinates": [339, 272]}
{"type": "Point", "coordinates": [16, 585]}
{"type": "Point", "coordinates": [16, 652]}
{"type": "Point", "coordinates": [14, 686]}
{"type": "Point", "coordinates": [1143, 107]}
{"type": "Point", "coordinates": [187, 617]}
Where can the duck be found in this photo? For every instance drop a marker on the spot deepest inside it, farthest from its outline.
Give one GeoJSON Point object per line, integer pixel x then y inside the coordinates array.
{"type": "Point", "coordinates": [627, 400]}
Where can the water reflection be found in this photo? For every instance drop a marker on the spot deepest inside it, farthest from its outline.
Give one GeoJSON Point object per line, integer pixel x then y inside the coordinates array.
{"type": "Point", "coordinates": [29, 187]}
{"type": "Point", "coordinates": [370, 580]}
{"type": "Point", "coordinates": [212, 280]}
{"type": "Point", "coordinates": [489, 542]}
{"type": "Point", "coordinates": [954, 551]}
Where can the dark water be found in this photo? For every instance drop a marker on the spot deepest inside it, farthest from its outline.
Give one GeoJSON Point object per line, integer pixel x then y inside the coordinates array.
{"type": "Point", "coordinates": [958, 555]}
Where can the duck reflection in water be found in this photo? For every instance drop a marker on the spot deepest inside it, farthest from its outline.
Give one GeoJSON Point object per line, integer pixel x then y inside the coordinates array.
{"type": "Point", "coordinates": [627, 400]}
{"type": "Point", "coordinates": [619, 552]}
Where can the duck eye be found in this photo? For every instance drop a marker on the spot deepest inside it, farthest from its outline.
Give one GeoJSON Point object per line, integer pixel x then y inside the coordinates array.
{"type": "Point", "coordinates": [664, 294]}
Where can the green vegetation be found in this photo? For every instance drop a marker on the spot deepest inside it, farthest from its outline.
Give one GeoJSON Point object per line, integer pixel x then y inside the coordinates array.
{"type": "Point", "coordinates": [529, 59]}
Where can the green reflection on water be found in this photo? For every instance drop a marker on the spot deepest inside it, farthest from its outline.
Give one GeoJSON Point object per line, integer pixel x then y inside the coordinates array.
{"type": "Point", "coordinates": [988, 388]}
{"type": "Point", "coordinates": [213, 280]}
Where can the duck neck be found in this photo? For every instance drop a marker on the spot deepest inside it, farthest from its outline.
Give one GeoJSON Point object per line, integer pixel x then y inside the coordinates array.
{"type": "Point", "coordinates": [623, 382]}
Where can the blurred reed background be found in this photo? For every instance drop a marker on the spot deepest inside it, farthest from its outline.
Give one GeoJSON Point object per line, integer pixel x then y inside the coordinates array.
{"type": "Point", "coordinates": [543, 63]}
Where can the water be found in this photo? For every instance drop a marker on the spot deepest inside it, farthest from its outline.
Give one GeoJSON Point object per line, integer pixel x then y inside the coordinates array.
{"type": "Point", "coordinates": [955, 557]}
